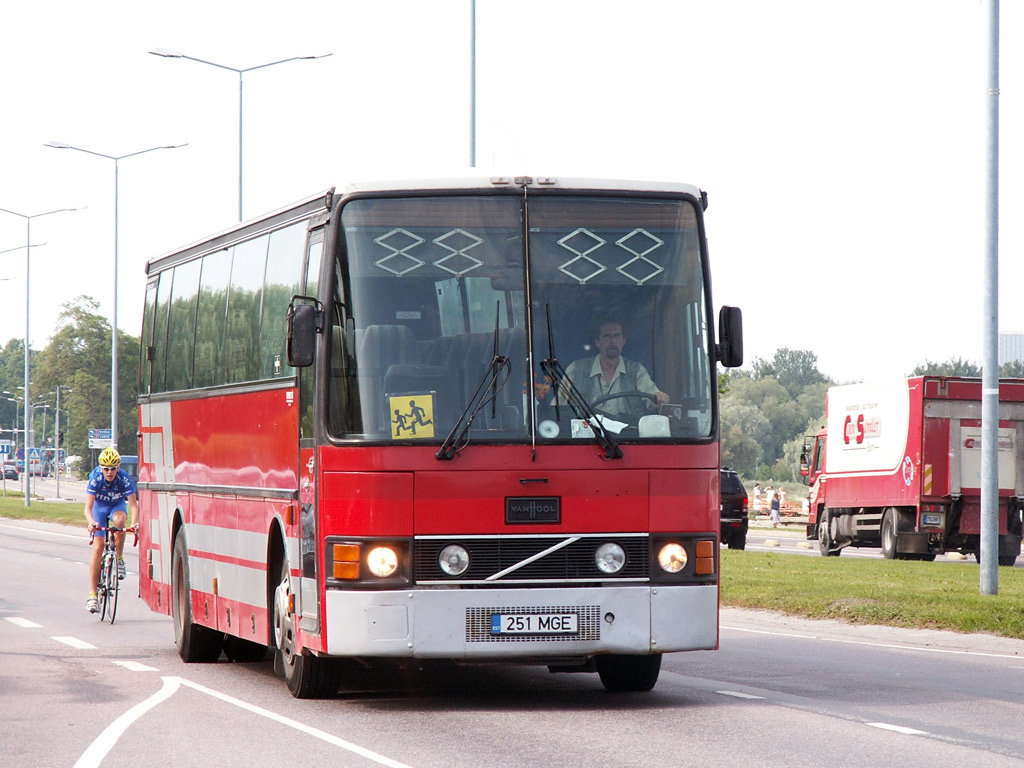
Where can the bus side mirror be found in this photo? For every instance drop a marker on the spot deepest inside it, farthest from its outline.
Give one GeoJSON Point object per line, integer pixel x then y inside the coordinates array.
{"type": "Point", "coordinates": [302, 328]}
{"type": "Point", "coordinates": [730, 337]}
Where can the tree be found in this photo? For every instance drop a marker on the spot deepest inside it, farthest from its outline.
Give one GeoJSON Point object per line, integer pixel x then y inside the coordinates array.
{"type": "Point", "coordinates": [794, 369]}
{"type": "Point", "coordinates": [78, 357]}
{"type": "Point", "coordinates": [956, 366]}
{"type": "Point", "coordinates": [763, 416]}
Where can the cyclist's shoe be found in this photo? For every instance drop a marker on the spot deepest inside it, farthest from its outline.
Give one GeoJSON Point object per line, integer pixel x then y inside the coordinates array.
{"type": "Point", "coordinates": [120, 569]}
{"type": "Point", "coordinates": [92, 604]}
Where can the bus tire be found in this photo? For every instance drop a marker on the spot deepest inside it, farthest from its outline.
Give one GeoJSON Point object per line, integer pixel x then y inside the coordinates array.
{"type": "Point", "coordinates": [196, 643]}
{"type": "Point", "coordinates": [307, 676]}
{"type": "Point", "coordinates": [620, 672]}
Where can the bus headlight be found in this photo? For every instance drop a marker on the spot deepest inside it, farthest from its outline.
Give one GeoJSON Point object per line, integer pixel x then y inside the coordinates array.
{"type": "Point", "coordinates": [610, 558]}
{"type": "Point", "coordinates": [382, 562]}
{"type": "Point", "coordinates": [454, 560]}
{"type": "Point", "coordinates": [672, 558]}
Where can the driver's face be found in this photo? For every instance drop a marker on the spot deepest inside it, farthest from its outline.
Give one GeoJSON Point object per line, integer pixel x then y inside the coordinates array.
{"type": "Point", "coordinates": [611, 341]}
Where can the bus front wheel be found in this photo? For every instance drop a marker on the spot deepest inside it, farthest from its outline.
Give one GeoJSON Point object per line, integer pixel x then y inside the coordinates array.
{"type": "Point", "coordinates": [621, 672]}
{"type": "Point", "coordinates": [307, 676]}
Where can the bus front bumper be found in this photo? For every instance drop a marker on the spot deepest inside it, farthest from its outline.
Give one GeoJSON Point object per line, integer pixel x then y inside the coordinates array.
{"type": "Point", "coordinates": [465, 624]}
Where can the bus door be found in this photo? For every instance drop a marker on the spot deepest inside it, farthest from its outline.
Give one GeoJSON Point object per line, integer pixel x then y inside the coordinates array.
{"type": "Point", "coordinates": [309, 553]}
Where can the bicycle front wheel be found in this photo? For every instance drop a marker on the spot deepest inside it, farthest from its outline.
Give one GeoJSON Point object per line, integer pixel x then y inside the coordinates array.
{"type": "Point", "coordinates": [113, 587]}
{"type": "Point", "coordinates": [107, 570]}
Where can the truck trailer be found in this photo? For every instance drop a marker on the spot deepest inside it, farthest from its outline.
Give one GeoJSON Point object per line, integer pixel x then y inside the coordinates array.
{"type": "Point", "coordinates": [898, 466]}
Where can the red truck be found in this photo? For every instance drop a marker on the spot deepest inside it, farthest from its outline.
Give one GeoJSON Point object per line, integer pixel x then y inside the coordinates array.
{"type": "Point", "coordinates": [899, 466]}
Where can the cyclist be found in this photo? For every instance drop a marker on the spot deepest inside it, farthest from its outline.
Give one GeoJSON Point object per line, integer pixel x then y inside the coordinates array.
{"type": "Point", "coordinates": [109, 493]}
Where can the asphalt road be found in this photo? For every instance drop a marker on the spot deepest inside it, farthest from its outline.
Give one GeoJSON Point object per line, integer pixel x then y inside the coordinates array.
{"type": "Point", "coordinates": [779, 692]}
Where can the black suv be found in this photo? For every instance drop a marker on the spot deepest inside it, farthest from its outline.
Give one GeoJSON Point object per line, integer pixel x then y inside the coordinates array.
{"type": "Point", "coordinates": [734, 510]}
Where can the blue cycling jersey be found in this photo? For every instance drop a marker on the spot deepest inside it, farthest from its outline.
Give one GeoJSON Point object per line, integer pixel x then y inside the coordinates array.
{"type": "Point", "coordinates": [112, 495]}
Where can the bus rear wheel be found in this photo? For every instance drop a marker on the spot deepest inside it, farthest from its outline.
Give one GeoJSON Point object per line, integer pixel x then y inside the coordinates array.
{"type": "Point", "coordinates": [195, 642]}
{"type": "Point", "coordinates": [621, 672]}
{"type": "Point", "coordinates": [307, 676]}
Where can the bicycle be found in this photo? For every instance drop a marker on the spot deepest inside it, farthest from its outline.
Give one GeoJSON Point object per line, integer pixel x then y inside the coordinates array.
{"type": "Point", "coordinates": [109, 585]}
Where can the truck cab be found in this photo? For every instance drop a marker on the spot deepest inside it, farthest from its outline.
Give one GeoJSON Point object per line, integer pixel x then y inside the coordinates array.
{"type": "Point", "coordinates": [812, 467]}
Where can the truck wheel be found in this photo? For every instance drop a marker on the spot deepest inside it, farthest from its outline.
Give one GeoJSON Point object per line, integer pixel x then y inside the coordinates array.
{"type": "Point", "coordinates": [890, 526]}
{"type": "Point", "coordinates": [825, 543]}
{"type": "Point", "coordinates": [739, 541]}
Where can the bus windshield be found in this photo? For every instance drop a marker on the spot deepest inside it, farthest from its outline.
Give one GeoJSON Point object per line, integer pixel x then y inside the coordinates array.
{"type": "Point", "coordinates": [429, 291]}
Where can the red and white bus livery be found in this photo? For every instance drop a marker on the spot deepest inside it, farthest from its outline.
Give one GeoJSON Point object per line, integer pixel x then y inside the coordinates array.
{"type": "Point", "coordinates": [358, 438]}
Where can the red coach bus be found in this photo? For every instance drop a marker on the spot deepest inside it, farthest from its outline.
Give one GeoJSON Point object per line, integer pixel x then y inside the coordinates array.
{"type": "Point", "coordinates": [358, 437]}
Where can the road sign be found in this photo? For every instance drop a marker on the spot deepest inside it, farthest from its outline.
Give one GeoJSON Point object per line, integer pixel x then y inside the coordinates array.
{"type": "Point", "coordinates": [101, 438]}
{"type": "Point", "coordinates": [34, 453]}
{"type": "Point", "coordinates": [5, 449]}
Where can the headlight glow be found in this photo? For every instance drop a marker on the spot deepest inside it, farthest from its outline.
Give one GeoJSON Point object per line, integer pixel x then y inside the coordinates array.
{"type": "Point", "coordinates": [672, 558]}
{"type": "Point", "coordinates": [454, 560]}
{"type": "Point", "coordinates": [610, 558]}
{"type": "Point", "coordinates": [382, 561]}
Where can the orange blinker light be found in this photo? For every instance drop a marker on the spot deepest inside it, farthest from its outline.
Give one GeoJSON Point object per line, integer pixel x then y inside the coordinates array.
{"type": "Point", "coordinates": [345, 561]}
{"type": "Point", "coordinates": [705, 565]}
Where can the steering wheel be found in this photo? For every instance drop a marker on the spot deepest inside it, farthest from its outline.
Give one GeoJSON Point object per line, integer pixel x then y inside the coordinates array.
{"type": "Point", "coordinates": [615, 395]}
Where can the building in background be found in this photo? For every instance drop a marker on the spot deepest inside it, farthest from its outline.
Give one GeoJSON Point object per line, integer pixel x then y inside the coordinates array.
{"type": "Point", "coordinates": [1011, 348]}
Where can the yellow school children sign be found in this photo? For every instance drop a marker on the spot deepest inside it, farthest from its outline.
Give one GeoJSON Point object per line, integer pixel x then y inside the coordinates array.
{"type": "Point", "coordinates": [412, 416]}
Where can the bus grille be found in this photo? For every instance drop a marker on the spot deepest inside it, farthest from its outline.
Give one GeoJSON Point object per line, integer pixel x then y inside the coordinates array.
{"type": "Point", "coordinates": [489, 556]}
{"type": "Point", "coordinates": [478, 624]}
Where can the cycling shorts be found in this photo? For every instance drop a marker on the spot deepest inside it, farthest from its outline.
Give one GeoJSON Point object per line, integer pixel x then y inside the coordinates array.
{"type": "Point", "coordinates": [102, 513]}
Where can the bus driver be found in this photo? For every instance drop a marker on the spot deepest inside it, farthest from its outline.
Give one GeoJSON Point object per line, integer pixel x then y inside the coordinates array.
{"type": "Point", "coordinates": [609, 372]}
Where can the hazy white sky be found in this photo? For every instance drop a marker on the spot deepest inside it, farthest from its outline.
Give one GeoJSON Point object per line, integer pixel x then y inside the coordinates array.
{"type": "Point", "coordinates": [841, 143]}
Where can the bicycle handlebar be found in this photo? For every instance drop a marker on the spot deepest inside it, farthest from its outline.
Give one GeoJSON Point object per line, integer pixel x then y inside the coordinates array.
{"type": "Point", "coordinates": [102, 529]}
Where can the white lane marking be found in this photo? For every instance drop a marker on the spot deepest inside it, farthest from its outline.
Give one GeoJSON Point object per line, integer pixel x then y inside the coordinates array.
{"type": "Point", "coordinates": [877, 645]}
{"type": "Point", "coordinates": [20, 622]}
{"type": "Point", "coordinates": [97, 751]}
{"type": "Point", "coordinates": [315, 732]}
{"type": "Point", "coordinates": [41, 530]}
{"type": "Point", "coordinates": [102, 744]}
{"type": "Point", "coordinates": [898, 729]}
{"type": "Point", "coordinates": [74, 642]}
{"type": "Point", "coordinates": [739, 695]}
{"type": "Point", "coordinates": [136, 666]}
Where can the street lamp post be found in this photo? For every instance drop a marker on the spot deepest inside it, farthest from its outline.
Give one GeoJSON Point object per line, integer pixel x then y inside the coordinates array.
{"type": "Point", "coordinates": [28, 261]}
{"type": "Point", "coordinates": [178, 55]}
{"type": "Point", "coordinates": [113, 329]}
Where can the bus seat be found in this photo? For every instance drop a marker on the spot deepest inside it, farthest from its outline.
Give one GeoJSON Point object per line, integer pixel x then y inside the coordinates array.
{"type": "Point", "coordinates": [382, 346]}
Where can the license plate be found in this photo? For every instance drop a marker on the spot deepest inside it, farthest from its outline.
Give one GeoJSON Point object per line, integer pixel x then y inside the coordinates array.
{"type": "Point", "coordinates": [534, 623]}
{"type": "Point", "coordinates": [931, 520]}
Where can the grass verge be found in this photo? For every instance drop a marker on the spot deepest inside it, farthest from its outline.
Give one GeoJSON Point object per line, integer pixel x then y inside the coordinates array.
{"type": "Point", "coordinates": [66, 512]}
{"type": "Point", "coordinates": [896, 593]}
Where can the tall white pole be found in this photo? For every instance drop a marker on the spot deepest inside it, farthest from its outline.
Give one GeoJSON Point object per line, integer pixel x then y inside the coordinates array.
{"type": "Point", "coordinates": [472, 83]}
{"type": "Point", "coordinates": [28, 398]}
{"type": "Point", "coordinates": [990, 361]}
{"type": "Point", "coordinates": [113, 329]}
{"type": "Point", "coordinates": [240, 144]}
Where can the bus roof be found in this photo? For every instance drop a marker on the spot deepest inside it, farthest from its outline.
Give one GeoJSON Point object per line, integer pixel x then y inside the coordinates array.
{"type": "Point", "coordinates": [322, 201]}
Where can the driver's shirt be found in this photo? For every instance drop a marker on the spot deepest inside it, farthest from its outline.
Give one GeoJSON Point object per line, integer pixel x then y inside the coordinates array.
{"type": "Point", "coordinates": [592, 385]}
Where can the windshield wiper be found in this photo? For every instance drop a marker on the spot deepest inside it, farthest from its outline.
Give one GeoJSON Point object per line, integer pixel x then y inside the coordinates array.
{"type": "Point", "coordinates": [574, 399]}
{"type": "Point", "coordinates": [486, 391]}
